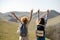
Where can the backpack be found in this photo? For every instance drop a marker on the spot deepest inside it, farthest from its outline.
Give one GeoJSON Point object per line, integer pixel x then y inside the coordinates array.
{"type": "Point", "coordinates": [40, 32]}
{"type": "Point", "coordinates": [23, 30]}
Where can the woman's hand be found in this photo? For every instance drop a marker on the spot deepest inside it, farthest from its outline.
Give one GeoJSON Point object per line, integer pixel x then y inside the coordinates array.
{"type": "Point", "coordinates": [12, 13]}
{"type": "Point", "coordinates": [47, 12]}
{"type": "Point", "coordinates": [32, 11]}
{"type": "Point", "coordinates": [39, 11]}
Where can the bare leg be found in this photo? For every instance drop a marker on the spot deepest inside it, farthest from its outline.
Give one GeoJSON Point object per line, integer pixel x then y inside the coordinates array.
{"type": "Point", "coordinates": [20, 38]}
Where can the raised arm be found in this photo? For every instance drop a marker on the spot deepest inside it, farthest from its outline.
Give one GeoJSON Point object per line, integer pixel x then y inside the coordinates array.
{"type": "Point", "coordinates": [30, 15]}
{"type": "Point", "coordinates": [46, 17]}
{"type": "Point", "coordinates": [38, 14]}
{"type": "Point", "coordinates": [38, 20]}
{"type": "Point", "coordinates": [15, 16]}
{"type": "Point", "coordinates": [47, 12]}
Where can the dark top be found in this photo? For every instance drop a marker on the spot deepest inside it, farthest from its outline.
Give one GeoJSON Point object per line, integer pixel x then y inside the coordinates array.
{"type": "Point", "coordinates": [40, 27]}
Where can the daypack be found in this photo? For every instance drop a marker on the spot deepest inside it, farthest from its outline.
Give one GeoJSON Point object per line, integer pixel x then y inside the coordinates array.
{"type": "Point", "coordinates": [23, 30]}
{"type": "Point", "coordinates": [40, 32]}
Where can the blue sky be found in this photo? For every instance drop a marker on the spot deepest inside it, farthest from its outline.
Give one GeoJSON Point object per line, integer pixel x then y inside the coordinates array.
{"type": "Point", "coordinates": [27, 5]}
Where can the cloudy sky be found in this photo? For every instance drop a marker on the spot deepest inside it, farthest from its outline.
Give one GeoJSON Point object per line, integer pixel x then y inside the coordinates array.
{"type": "Point", "coordinates": [27, 5]}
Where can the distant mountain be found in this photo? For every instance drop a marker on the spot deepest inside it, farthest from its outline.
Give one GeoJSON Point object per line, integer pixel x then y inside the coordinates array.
{"type": "Point", "coordinates": [10, 17]}
{"type": "Point", "coordinates": [53, 14]}
{"type": "Point", "coordinates": [1, 14]}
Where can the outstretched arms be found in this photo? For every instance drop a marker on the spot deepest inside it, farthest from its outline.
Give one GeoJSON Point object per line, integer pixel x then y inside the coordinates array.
{"type": "Point", "coordinates": [19, 19]}
{"type": "Point", "coordinates": [15, 16]}
{"type": "Point", "coordinates": [30, 15]}
{"type": "Point", "coordinates": [45, 16]}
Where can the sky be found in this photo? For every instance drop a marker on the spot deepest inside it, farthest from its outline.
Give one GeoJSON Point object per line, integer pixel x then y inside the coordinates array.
{"type": "Point", "coordinates": [27, 5]}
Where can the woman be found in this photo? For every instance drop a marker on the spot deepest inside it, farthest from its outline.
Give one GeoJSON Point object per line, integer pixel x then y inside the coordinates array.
{"type": "Point", "coordinates": [41, 23]}
{"type": "Point", "coordinates": [23, 28]}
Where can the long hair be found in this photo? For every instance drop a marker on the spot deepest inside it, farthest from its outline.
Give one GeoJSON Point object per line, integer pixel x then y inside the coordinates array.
{"type": "Point", "coordinates": [42, 21]}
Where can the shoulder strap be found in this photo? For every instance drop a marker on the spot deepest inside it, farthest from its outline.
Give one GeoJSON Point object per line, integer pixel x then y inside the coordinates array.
{"type": "Point", "coordinates": [23, 25]}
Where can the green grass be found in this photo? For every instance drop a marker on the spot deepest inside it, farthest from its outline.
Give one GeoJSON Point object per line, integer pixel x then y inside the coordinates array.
{"type": "Point", "coordinates": [8, 31]}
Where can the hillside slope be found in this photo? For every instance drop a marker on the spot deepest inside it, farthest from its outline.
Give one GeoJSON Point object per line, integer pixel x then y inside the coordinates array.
{"type": "Point", "coordinates": [8, 31]}
{"type": "Point", "coordinates": [53, 28]}
{"type": "Point", "coordinates": [53, 21]}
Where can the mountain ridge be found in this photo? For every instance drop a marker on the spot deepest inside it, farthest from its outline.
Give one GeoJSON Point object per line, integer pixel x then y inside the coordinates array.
{"type": "Point", "coordinates": [10, 17]}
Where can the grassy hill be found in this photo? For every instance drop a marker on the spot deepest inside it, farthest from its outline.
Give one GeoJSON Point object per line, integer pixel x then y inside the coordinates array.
{"type": "Point", "coordinates": [8, 31]}
{"type": "Point", "coordinates": [53, 21]}
{"type": "Point", "coordinates": [53, 28]}
{"type": "Point", "coordinates": [8, 28]}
